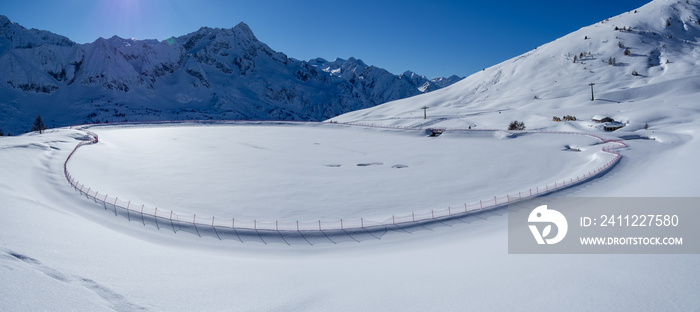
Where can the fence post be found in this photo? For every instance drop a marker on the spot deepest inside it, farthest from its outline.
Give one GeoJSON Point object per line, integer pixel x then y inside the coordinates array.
{"type": "Point", "coordinates": [495, 202]}
{"type": "Point", "coordinates": [115, 204]}
{"type": "Point", "coordinates": [142, 220]}
{"type": "Point", "coordinates": [449, 211]}
{"type": "Point", "coordinates": [413, 216]}
{"type": "Point", "coordinates": [319, 225]}
{"type": "Point", "coordinates": [171, 221]}
{"type": "Point", "coordinates": [432, 213]}
{"type": "Point", "coordinates": [276, 226]}
{"type": "Point", "coordinates": [465, 207]}
{"type": "Point", "coordinates": [481, 204]}
{"type": "Point", "coordinates": [155, 217]}
{"type": "Point", "coordinates": [95, 198]}
{"type": "Point", "coordinates": [297, 226]}
{"type": "Point", "coordinates": [127, 211]}
{"type": "Point", "coordinates": [362, 222]}
{"type": "Point", "coordinates": [255, 224]}
{"type": "Point", "coordinates": [341, 224]}
{"type": "Point", "coordinates": [194, 222]}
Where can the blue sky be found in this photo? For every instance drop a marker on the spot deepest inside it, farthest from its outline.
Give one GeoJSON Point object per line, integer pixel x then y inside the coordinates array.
{"type": "Point", "coordinates": [432, 38]}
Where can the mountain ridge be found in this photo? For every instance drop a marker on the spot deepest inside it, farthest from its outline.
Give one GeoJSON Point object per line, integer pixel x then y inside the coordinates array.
{"type": "Point", "coordinates": [636, 60]}
{"type": "Point", "coordinates": [211, 73]}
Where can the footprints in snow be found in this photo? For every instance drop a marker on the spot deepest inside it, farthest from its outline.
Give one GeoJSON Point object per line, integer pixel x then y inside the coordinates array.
{"type": "Point", "coordinates": [23, 258]}
{"type": "Point", "coordinates": [115, 300]}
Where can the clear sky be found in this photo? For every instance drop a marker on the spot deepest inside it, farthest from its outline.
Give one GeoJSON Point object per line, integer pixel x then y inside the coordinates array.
{"type": "Point", "coordinates": [429, 37]}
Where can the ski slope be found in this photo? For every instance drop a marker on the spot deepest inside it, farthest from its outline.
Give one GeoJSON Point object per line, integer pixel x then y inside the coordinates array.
{"type": "Point", "coordinates": [60, 251]}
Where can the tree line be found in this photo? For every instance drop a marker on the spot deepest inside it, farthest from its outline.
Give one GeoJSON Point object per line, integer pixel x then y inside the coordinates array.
{"type": "Point", "coordinates": [38, 125]}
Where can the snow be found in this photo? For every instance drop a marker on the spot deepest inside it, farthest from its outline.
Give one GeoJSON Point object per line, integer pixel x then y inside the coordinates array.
{"type": "Point", "coordinates": [320, 171]}
{"type": "Point", "coordinates": [210, 73]}
{"type": "Point", "coordinates": [60, 251]}
{"type": "Point", "coordinates": [60, 244]}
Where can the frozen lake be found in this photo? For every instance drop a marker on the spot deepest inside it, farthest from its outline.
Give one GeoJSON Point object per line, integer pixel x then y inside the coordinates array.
{"type": "Point", "coordinates": [313, 171]}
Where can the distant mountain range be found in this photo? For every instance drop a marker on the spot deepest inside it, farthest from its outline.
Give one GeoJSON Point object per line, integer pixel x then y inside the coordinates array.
{"type": "Point", "coordinates": [208, 74]}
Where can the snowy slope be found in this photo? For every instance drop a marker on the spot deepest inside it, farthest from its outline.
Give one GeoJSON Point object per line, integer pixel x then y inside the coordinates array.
{"type": "Point", "coordinates": [662, 38]}
{"type": "Point", "coordinates": [210, 73]}
{"type": "Point", "coordinates": [655, 84]}
{"type": "Point", "coordinates": [61, 252]}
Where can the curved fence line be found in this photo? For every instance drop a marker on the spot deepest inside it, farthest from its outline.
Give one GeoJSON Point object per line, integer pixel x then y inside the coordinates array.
{"type": "Point", "coordinates": [312, 231]}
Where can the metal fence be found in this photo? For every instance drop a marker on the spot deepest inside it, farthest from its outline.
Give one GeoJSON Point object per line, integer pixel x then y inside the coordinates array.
{"type": "Point", "coordinates": [321, 231]}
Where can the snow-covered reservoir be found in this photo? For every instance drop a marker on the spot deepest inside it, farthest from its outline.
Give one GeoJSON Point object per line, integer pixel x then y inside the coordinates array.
{"type": "Point", "coordinates": [60, 251]}
{"type": "Point", "coordinates": [311, 171]}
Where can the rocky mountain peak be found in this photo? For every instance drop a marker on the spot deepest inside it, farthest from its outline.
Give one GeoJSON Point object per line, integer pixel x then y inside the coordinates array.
{"type": "Point", "coordinates": [210, 73]}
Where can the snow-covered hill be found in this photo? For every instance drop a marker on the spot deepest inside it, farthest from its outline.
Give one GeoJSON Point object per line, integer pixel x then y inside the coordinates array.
{"type": "Point", "coordinates": [644, 64]}
{"type": "Point", "coordinates": [210, 73]}
{"type": "Point", "coordinates": [61, 251]}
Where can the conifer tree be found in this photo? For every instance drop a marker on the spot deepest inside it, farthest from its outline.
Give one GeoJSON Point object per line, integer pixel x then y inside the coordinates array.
{"type": "Point", "coordinates": [38, 125]}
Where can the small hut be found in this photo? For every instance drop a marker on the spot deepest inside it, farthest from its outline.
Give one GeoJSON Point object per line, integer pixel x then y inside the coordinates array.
{"type": "Point", "coordinates": [612, 126]}
{"type": "Point", "coordinates": [434, 132]}
{"type": "Point", "coordinates": [602, 119]}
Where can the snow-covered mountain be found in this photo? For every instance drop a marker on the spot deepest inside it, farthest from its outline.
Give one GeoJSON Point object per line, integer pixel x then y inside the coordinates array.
{"type": "Point", "coordinates": [643, 63]}
{"type": "Point", "coordinates": [210, 73]}
{"type": "Point", "coordinates": [62, 251]}
{"type": "Point", "coordinates": [367, 77]}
